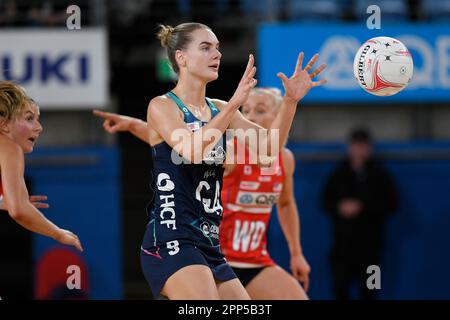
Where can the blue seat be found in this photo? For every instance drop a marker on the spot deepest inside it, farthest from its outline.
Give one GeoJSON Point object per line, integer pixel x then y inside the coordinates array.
{"type": "Point", "coordinates": [436, 9]}
{"type": "Point", "coordinates": [314, 9]}
{"type": "Point", "coordinates": [391, 10]}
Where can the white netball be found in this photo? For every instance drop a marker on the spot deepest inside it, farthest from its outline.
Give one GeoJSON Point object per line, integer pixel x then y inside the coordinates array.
{"type": "Point", "coordinates": [383, 66]}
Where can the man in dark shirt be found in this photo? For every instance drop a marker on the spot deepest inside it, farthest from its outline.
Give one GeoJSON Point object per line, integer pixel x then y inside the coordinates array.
{"type": "Point", "coordinates": [358, 196]}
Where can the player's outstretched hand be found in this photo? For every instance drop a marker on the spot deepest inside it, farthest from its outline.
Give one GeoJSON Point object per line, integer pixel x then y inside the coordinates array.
{"type": "Point", "coordinates": [298, 85]}
{"type": "Point", "coordinates": [245, 85]}
{"type": "Point", "coordinates": [114, 122]}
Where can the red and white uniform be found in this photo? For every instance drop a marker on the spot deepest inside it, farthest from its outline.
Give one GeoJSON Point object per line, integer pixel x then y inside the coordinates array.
{"type": "Point", "coordinates": [248, 195]}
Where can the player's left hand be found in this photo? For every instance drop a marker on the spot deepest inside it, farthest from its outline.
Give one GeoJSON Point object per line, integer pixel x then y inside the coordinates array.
{"type": "Point", "coordinates": [300, 270]}
{"type": "Point", "coordinates": [299, 84]}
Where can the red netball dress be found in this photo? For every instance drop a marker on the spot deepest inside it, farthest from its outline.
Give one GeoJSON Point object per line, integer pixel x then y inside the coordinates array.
{"type": "Point", "coordinates": [248, 195]}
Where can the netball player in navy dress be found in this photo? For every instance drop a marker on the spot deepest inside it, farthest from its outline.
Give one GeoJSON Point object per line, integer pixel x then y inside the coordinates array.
{"type": "Point", "coordinates": [180, 253]}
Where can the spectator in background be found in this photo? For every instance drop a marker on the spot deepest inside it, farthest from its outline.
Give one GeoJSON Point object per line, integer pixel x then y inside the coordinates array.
{"type": "Point", "coordinates": [358, 196]}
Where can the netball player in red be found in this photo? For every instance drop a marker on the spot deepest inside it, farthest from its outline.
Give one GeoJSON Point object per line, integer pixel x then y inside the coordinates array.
{"type": "Point", "coordinates": [19, 130]}
{"type": "Point", "coordinates": [248, 196]}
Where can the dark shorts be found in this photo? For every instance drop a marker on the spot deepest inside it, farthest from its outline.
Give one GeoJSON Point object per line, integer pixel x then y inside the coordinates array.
{"type": "Point", "coordinates": [159, 267]}
{"type": "Point", "coordinates": [245, 275]}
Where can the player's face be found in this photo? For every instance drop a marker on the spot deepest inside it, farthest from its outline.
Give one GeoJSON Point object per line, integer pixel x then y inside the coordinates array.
{"type": "Point", "coordinates": [25, 129]}
{"type": "Point", "coordinates": [203, 55]}
{"type": "Point", "coordinates": [360, 152]}
{"type": "Point", "coordinates": [260, 108]}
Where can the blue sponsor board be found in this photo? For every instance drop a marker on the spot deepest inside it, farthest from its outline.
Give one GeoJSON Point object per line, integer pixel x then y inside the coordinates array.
{"type": "Point", "coordinates": [83, 186]}
{"type": "Point", "coordinates": [337, 44]}
{"type": "Point", "coordinates": [414, 264]}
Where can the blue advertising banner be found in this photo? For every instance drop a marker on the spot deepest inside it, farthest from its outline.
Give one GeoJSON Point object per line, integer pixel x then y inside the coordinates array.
{"type": "Point", "coordinates": [337, 44]}
{"type": "Point", "coordinates": [416, 236]}
{"type": "Point", "coordinates": [83, 186]}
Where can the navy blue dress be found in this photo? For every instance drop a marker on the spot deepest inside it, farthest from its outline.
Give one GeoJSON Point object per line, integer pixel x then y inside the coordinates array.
{"type": "Point", "coordinates": [185, 211]}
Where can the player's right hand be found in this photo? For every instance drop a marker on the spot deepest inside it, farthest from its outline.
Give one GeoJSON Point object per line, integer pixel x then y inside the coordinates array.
{"type": "Point", "coordinates": [299, 84]}
{"type": "Point", "coordinates": [246, 84]}
{"type": "Point", "coordinates": [114, 122]}
{"type": "Point", "coordinates": [69, 238]}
